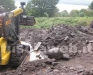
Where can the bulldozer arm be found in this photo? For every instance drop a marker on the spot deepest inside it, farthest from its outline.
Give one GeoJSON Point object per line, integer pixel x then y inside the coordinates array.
{"type": "Point", "coordinates": [28, 21]}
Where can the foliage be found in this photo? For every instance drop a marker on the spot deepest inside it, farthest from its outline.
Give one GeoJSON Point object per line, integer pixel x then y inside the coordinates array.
{"type": "Point", "coordinates": [40, 8]}
{"type": "Point", "coordinates": [74, 13]}
{"type": "Point", "coordinates": [65, 13]}
{"type": "Point", "coordinates": [81, 14]}
{"type": "Point", "coordinates": [7, 4]}
{"type": "Point", "coordinates": [44, 22]}
{"type": "Point", "coordinates": [91, 5]}
{"type": "Point", "coordinates": [89, 13]}
{"type": "Point", "coordinates": [47, 8]}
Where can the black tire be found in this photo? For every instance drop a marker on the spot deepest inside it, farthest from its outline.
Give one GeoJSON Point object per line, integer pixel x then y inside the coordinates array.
{"type": "Point", "coordinates": [17, 55]}
{"type": "Point", "coordinates": [15, 60]}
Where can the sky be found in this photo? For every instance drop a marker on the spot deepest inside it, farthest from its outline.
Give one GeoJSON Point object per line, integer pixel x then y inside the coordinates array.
{"type": "Point", "coordinates": [66, 4]}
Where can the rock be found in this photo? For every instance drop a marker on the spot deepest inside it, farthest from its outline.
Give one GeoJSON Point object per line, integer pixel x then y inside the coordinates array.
{"type": "Point", "coordinates": [20, 73]}
{"type": "Point", "coordinates": [13, 71]}
{"type": "Point", "coordinates": [24, 69]}
{"type": "Point", "coordinates": [43, 64]}
{"type": "Point", "coordinates": [89, 48]}
{"type": "Point", "coordinates": [66, 56]}
{"type": "Point", "coordinates": [79, 67]}
{"type": "Point", "coordinates": [85, 49]}
{"type": "Point", "coordinates": [56, 70]}
{"type": "Point", "coordinates": [49, 61]}
{"type": "Point", "coordinates": [80, 71]}
{"type": "Point", "coordinates": [92, 69]}
{"type": "Point", "coordinates": [55, 63]}
{"type": "Point", "coordinates": [72, 34]}
{"type": "Point", "coordinates": [72, 68]}
{"type": "Point", "coordinates": [66, 38]}
{"type": "Point", "coordinates": [52, 67]}
{"type": "Point", "coordinates": [55, 53]}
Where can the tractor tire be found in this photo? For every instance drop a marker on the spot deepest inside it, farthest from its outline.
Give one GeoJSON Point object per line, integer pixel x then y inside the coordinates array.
{"type": "Point", "coordinates": [17, 57]}
{"type": "Point", "coordinates": [15, 60]}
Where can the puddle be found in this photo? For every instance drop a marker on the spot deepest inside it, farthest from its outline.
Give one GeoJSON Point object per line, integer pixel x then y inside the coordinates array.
{"type": "Point", "coordinates": [34, 53]}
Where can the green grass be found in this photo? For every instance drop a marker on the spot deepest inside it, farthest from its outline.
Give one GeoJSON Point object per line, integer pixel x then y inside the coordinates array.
{"type": "Point", "coordinates": [45, 22]}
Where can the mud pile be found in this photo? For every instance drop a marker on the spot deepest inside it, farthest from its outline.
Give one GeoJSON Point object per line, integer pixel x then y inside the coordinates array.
{"type": "Point", "coordinates": [58, 36]}
{"type": "Point", "coordinates": [74, 41]}
{"type": "Point", "coordinates": [63, 35]}
{"type": "Point", "coordinates": [69, 41]}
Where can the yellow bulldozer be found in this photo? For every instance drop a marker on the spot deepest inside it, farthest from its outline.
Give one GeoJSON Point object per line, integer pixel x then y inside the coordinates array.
{"type": "Point", "coordinates": [11, 50]}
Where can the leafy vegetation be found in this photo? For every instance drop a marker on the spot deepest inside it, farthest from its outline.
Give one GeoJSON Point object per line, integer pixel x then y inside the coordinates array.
{"type": "Point", "coordinates": [47, 18]}
{"type": "Point", "coordinates": [41, 8]}
{"type": "Point", "coordinates": [7, 4]}
{"type": "Point", "coordinates": [45, 22]}
{"type": "Point", "coordinates": [91, 5]}
{"type": "Point", "coordinates": [78, 13]}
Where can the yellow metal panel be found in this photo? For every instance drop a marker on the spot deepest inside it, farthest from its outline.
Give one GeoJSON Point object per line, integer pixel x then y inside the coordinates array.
{"type": "Point", "coordinates": [5, 55]}
{"type": "Point", "coordinates": [5, 58]}
{"type": "Point", "coordinates": [17, 11]}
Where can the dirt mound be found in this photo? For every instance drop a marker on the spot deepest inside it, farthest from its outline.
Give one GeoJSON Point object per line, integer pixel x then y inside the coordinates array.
{"type": "Point", "coordinates": [71, 40]}
{"type": "Point", "coordinates": [63, 35]}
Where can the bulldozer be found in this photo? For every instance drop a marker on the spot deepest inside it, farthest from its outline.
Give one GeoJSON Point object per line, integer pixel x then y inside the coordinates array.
{"type": "Point", "coordinates": [12, 51]}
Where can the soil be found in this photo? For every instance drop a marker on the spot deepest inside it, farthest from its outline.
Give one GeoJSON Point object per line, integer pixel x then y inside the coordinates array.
{"type": "Point", "coordinates": [69, 50]}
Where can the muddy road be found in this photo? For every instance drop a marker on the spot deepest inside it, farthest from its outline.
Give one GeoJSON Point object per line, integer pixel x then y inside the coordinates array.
{"type": "Point", "coordinates": [69, 51]}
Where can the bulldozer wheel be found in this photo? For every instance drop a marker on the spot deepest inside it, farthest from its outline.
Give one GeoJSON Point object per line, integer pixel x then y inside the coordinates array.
{"type": "Point", "coordinates": [17, 57]}
{"type": "Point", "coordinates": [15, 60]}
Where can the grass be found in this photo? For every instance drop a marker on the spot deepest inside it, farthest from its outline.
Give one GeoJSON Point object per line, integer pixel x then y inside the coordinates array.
{"type": "Point", "coordinates": [45, 22]}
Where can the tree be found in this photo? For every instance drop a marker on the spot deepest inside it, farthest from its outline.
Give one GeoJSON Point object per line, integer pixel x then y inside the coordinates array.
{"type": "Point", "coordinates": [40, 7]}
{"type": "Point", "coordinates": [65, 13]}
{"type": "Point", "coordinates": [81, 14]}
{"type": "Point", "coordinates": [90, 13]}
{"type": "Point", "coordinates": [91, 5]}
{"type": "Point", "coordinates": [74, 13]}
{"type": "Point", "coordinates": [7, 4]}
{"type": "Point", "coordinates": [90, 10]}
{"type": "Point", "coordinates": [84, 10]}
